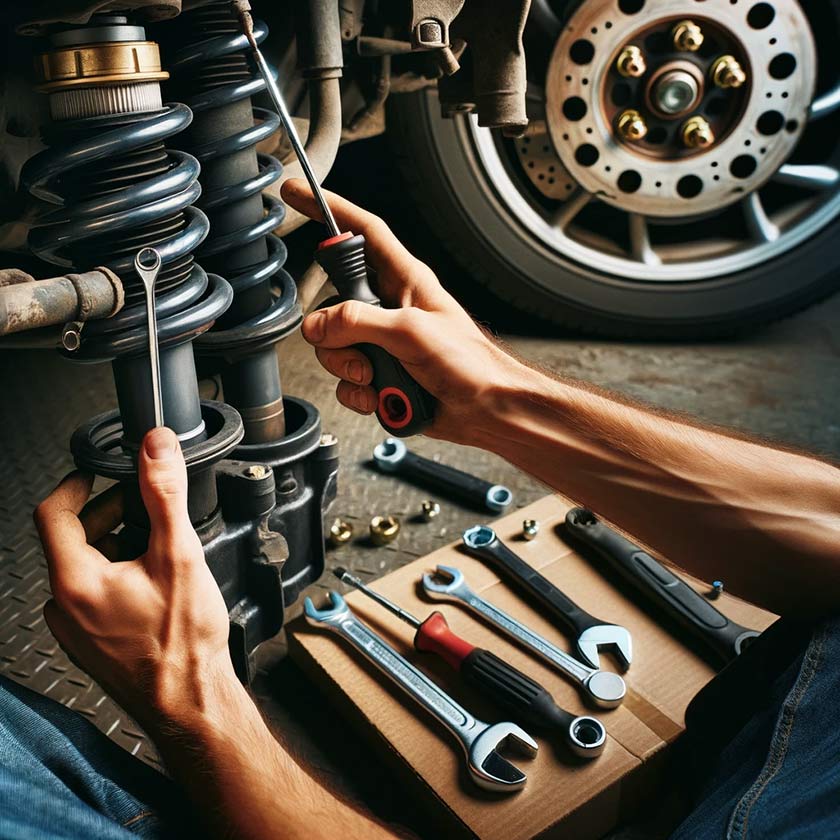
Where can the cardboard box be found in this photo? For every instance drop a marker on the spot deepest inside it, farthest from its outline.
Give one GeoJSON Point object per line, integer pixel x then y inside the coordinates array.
{"type": "Point", "coordinates": [561, 798]}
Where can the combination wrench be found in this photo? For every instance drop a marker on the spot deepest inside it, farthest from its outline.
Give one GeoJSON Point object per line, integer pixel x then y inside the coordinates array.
{"type": "Point", "coordinates": [590, 633]}
{"type": "Point", "coordinates": [603, 689]}
{"type": "Point", "coordinates": [147, 265]}
{"type": "Point", "coordinates": [481, 741]}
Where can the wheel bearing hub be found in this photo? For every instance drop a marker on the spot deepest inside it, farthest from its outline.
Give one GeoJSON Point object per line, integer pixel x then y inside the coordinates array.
{"type": "Point", "coordinates": [748, 129]}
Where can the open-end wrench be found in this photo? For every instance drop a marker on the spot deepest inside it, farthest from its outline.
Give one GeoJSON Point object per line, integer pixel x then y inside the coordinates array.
{"type": "Point", "coordinates": [590, 633]}
{"type": "Point", "coordinates": [602, 688]}
{"type": "Point", "coordinates": [147, 265]}
{"type": "Point", "coordinates": [663, 588]}
{"type": "Point", "coordinates": [481, 741]}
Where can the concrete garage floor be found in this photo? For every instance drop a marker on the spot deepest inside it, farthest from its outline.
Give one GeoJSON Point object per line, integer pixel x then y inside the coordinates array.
{"type": "Point", "coordinates": [778, 383]}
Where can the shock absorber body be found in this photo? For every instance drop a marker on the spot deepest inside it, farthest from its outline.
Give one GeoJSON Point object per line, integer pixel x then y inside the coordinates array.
{"type": "Point", "coordinates": [209, 59]}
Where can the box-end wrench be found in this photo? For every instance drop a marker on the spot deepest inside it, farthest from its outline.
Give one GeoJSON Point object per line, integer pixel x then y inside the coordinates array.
{"type": "Point", "coordinates": [590, 633]}
{"type": "Point", "coordinates": [481, 741]}
{"type": "Point", "coordinates": [603, 689]}
{"type": "Point", "coordinates": [663, 588]}
{"type": "Point", "coordinates": [147, 265]}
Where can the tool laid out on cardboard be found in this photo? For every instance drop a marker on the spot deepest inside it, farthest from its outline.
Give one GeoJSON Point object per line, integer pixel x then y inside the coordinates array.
{"type": "Point", "coordinates": [663, 588]}
{"type": "Point", "coordinates": [589, 633]}
{"type": "Point", "coordinates": [147, 265]}
{"type": "Point", "coordinates": [496, 679]}
{"type": "Point", "coordinates": [405, 407]}
{"type": "Point", "coordinates": [604, 689]}
{"type": "Point", "coordinates": [393, 456]}
{"type": "Point", "coordinates": [481, 741]}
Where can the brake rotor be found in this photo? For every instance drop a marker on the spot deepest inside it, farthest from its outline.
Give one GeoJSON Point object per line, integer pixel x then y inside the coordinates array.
{"type": "Point", "coordinates": [657, 124]}
{"type": "Point", "coordinates": [543, 168]}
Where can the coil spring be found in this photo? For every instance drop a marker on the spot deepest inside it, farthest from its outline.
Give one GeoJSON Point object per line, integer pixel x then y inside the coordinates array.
{"type": "Point", "coordinates": [117, 190]}
{"type": "Point", "coordinates": [213, 73]}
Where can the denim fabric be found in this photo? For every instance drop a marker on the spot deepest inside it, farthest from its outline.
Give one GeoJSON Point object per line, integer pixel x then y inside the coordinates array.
{"type": "Point", "coordinates": [779, 776]}
{"type": "Point", "coordinates": [62, 779]}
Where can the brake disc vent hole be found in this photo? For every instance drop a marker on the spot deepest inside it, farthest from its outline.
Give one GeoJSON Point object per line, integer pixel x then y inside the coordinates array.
{"type": "Point", "coordinates": [689, 186]}
{"type": "Point", "coordinates": [761, 16]}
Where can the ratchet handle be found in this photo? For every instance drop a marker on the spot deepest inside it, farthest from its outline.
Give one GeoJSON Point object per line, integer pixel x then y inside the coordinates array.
{"type": "Point", "coordinates": [664, 589]}
{"type": "Point", "coordinates": [519, 695]}
{"type": "Point", "coordinates": [543, 590]}
{"type": "Point", "coordinates": [405, 407]}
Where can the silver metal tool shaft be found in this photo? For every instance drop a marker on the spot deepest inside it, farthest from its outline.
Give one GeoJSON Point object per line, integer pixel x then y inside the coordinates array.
{"type": "Point", "coordinates": [286, 119]}
{"type": "Point", "coordinates": [147, 265]}
{"type": "Point", "coordinates": [345, 576]}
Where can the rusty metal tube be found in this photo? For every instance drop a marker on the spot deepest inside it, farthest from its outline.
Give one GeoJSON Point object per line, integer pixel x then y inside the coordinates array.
{"type": "Point", "coordinates": [42, 303]}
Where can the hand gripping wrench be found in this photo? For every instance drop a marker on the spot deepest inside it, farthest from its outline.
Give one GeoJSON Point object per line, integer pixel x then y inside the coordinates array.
{"type": "Point", "coordinates": [675, 597]}
{"type": "Point", "coordinates": [590, 633]}
{"type": "Point", "coordinates": [481, 741]}
{"type": "Point", "coordinates": [602, 688]}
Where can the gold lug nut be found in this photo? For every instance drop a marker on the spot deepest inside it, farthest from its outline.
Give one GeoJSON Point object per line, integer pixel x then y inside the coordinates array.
{"type": "Point", "coordinates": [632, 125]}
{"type": "Point", "coordinates": [728, 73]}
{"type": "Point", "coordinates": [340, 532]}
{"type": "Point", "coordinates": [631, 63]}
{"type": "Point", "coordinates": [697, 133]}
{"type": "Point", "coordinates": [429, 510]}
{"type": "Point", "coordinates": [384, 529]}
{"type": "Point", "coordinates": [687, 36]}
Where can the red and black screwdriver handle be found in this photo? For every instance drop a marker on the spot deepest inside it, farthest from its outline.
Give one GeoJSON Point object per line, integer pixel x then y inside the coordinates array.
{"type": "Point", "coordinates": [514, 691]}
{"type": "Point", "coordinates": [405, 408]}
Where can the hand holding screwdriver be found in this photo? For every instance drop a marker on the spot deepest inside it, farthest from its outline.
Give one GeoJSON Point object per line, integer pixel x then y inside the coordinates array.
{"type": "Point", "coordinates": [404, 407]}
{"type": "Point", "coordinates": [493, 677]}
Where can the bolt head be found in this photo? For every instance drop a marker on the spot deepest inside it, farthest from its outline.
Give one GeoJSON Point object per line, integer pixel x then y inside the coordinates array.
{"type": "Point", "coordinates": [631, 63]}
{"type": "Point", "coordinates": [697, 134]}
{"type": "Point", "coordinates": [687, 36]}
{"type": "Point", "coordinates": [340, 532]}
{"type": "Point", "coordinates": [727, 73]}
{"type": "Point", "coordinates": [530, 529]}
{"type": "Point", "coordinates": [632, 125]}
{"type": "Point", "coordinates": [429, 510]}
{"type": "Point", "coordinates": [384, 529]}
{"type": "Point", "coordinates": [256, 471]}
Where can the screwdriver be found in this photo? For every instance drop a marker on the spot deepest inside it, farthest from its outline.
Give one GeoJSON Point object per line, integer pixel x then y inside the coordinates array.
{"type": "Point", "coordinates": [493, 677]}
{"type": "Point", "coordinates": [404, 407]}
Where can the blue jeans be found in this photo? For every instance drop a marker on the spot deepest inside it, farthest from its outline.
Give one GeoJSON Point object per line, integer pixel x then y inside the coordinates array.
{"type": "Point", "coordinates": [762, 749]}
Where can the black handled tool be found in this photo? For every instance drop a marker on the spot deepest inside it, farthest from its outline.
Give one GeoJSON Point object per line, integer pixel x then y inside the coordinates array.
{"type": "Point", "coordinates": [663, 588]}
{"type": "Point", "coordinates": [590, 633]}
{"type": "Point", "coordinates": [494, 678]}
{"type": "Point", "coordinates": [405, 407]}
{"type": "Point", "coordinates": [393, 456]}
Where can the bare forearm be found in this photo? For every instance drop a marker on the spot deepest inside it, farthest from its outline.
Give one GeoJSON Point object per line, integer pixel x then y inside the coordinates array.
{"type": "Point", "coordinates": [244, 783]}
{"type": "Point", "coordinates": [765, 520]}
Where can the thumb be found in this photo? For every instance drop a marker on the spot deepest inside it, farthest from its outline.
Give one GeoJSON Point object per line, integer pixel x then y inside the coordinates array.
{"type": "Point", "coordinates": [163, 481]}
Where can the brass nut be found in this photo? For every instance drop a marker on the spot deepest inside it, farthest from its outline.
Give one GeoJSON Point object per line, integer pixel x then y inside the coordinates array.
{"type": "Point", "coordinates": [687, 36]}
{"type": "Point", "coordinates": [429, 510]}
{"type": "Point", "coordinates": [631, 125]}
{"type": "Point", "coordinates": [384, 529]}
{"type": "Point", "coordinates": [631, 63]}
{"type": "Point", "coordinates": [530, 529]}
{"type": "Point", "coordinates": [727, 72]}
{"type": "Point", "coordinates": [340, 532]}
{"type": "Point", "coordinates": [697, 133]}
{"type": "Point", "coordinates": [100, 64]}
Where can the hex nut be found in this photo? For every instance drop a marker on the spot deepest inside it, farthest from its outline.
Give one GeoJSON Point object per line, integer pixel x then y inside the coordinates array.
{"type": "Point", "coordinates": [687, 36]}
{"type": "Point", "coordinates": [340, 532]}
{"type": "Point", "coordinates": [697, 133]}
{"type": "Point", "coordinates": [530, 529]}
{"type": "Point", "coordinates": [726, 72]}
{"type": "Point", "coordinates": [631, 125]}
{"type": "Point", "coordinates": [429, 510]}
{"type": "Point", "coordinates": [384, 529]}
{"type": "Point", "coordinates": [631, 63]}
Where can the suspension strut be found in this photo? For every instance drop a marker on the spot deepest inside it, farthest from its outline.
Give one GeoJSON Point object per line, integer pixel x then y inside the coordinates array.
{"type": "Point", "coordinates": [116, 188]}
{"type": "Point", "coordinates": [211, 74]}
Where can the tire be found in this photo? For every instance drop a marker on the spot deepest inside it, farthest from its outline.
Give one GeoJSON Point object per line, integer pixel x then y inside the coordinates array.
{"type": "Point", "coordinates": [437, 164]}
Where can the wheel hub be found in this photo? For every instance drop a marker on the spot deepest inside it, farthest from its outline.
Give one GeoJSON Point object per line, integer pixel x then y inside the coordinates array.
{"type": "Point", "coordinates": [660, 111]}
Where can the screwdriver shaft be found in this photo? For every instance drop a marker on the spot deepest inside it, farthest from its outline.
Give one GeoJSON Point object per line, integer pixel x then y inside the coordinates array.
{"type": "Point", "coordinates": [288, 123]}
{"type": "Point", "coordinates": [346, 577]}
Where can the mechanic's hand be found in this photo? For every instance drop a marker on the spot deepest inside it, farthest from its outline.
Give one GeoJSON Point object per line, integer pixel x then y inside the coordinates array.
{"type": "Point", "coordinates": [424, 327]}
{"type": "Point", "coordinates": [152, 631]}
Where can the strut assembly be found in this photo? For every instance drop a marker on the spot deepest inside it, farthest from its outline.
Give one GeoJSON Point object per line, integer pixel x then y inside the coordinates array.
{"type": "Point", "coordinates": [261, 475]}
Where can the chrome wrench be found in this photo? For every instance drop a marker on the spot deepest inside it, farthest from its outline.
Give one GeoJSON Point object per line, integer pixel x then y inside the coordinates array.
{"type": "Point", "coordinates": [147, 265]}
{"type": "Point", "coordinates": [480, 741]}
{"type": "Point", "coordinates": [589, 633]}
{"type": "Point", "coordinates": [602, 688]}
